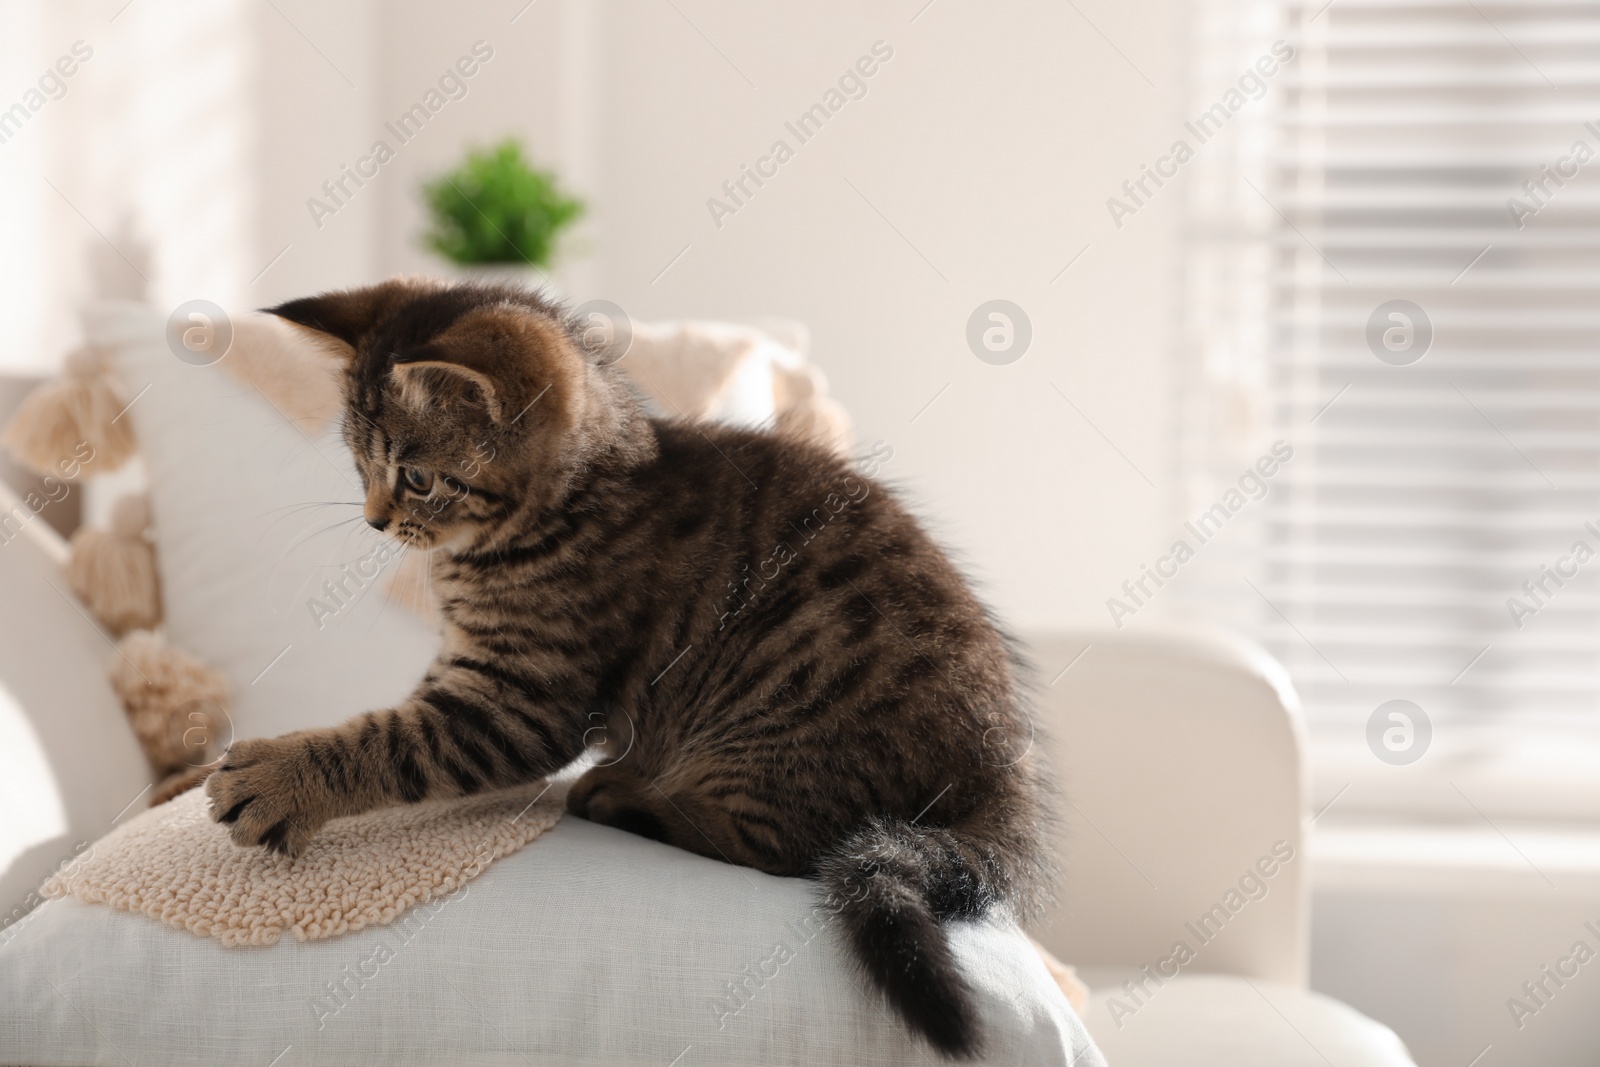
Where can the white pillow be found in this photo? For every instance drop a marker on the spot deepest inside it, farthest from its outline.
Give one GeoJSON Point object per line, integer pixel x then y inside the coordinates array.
{"type": "Point", "coordinates": [590, 946]}
{"type": "Point", "coordinates": [243, 550]}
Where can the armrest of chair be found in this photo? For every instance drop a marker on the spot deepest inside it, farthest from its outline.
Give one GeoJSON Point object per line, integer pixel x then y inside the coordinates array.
{"type": "Point", "coordinates": [69, 763]}
{"type": "Point", "coordinates": [1180, 764]}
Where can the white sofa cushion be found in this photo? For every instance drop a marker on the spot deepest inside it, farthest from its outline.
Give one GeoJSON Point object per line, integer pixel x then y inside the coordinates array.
{"type": "Point", "coordinates": [1215, 1020]}
{"type": "Point", "coordinates": [590, 946]}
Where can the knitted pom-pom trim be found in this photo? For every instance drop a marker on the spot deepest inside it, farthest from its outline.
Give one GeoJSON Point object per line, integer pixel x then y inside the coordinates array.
{"type": "Point", "coordinates": [73, 425]}
{"type": "Point", "coordinates": [177, 705]}
{"type": "Point", "coordinates": [114, 571]}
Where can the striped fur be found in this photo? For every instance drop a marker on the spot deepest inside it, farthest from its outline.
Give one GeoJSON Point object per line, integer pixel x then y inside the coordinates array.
{"type": "Point", "coordinates": [776, 665]}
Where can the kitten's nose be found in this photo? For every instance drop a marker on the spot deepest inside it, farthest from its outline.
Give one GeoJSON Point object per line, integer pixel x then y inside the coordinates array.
{"type": "Point", "coordinates": [380, 524]}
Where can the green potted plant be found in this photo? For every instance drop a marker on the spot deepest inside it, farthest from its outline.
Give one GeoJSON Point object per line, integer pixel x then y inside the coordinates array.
{"type": "Point", "coordinates": [498, 216]}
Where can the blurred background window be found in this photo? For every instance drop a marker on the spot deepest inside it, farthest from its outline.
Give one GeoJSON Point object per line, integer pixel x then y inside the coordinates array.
{"type": "Point", "coordinates": [127, 149]}
{"type": "Point", "coordinates": [1393, 268]}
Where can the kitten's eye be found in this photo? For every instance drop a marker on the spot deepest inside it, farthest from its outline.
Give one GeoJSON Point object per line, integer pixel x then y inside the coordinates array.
{"type": "Point", "coordinates": [417, 481]}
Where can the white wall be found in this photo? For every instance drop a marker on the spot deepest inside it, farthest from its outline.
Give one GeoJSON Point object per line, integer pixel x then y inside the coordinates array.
{"type": "Point", "coordinates": [318, 80]}
{"type": "Point", "coordinates": [989, 141]}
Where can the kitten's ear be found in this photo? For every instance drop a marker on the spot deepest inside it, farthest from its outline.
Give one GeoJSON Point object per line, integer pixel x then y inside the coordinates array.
{"type": "Point", "coordinates": [345, 315]}
{"type": "Point", "coordinates": [426, 381]}
{"type": "Point", "coordinates": [497, 359]}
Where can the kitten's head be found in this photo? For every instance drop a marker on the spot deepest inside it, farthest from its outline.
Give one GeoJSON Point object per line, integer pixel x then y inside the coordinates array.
{"type": "Point", "coordinates": [467, 407]}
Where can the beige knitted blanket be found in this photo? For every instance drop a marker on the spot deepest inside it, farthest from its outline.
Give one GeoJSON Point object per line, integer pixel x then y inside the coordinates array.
{"type": "Point", "coordinates": [174, 864]}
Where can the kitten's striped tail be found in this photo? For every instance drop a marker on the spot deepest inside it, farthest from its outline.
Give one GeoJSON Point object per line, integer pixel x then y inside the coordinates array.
{"type": "Point", "coordinates": [892, 884]}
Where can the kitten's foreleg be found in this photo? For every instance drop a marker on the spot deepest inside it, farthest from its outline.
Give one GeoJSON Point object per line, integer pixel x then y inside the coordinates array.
{"type": "Point", "coordinates": [467, 728]}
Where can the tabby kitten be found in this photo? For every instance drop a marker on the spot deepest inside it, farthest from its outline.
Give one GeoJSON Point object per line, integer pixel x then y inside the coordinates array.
{"type": "Point", "coordinates": [779, 667]}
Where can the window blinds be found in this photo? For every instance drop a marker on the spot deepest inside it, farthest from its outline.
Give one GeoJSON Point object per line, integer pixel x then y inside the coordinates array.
{"type": "Point", "coordinates": [1436, 536]}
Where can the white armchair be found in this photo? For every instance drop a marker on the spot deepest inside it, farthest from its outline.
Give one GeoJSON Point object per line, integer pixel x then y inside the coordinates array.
{"type": "Point", "coordinates": [1183, 823]}
{"type": "Point", "coordinates": [64, 778]}
{"type": "Point", "coordinates": [1182, 820]}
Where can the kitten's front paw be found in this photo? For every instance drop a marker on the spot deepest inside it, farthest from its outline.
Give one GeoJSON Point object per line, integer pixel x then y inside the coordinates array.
{"type": "Point", "coordinates": [263, 791]}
